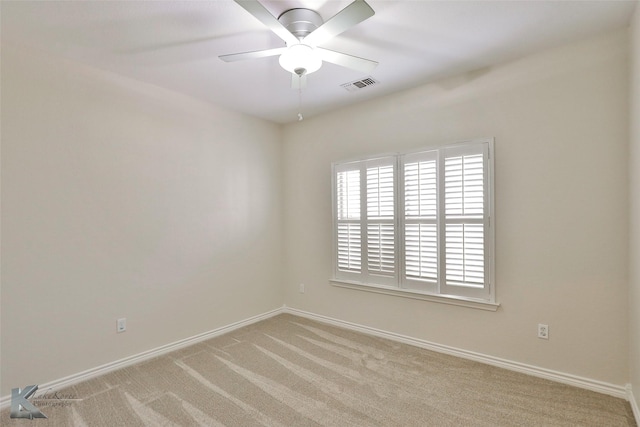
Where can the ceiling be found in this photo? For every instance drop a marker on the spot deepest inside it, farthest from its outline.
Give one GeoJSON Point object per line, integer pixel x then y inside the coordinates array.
{"type": "Point", "coordinates": [175, 44]}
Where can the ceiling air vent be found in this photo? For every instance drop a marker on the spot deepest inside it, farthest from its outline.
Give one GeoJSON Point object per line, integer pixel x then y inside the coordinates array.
{"type": "Point", "coordinates": [360, 84]}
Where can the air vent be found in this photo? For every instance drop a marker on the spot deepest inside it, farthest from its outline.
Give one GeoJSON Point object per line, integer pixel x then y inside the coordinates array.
{"type": "Point", "coordinates": [360, 84]}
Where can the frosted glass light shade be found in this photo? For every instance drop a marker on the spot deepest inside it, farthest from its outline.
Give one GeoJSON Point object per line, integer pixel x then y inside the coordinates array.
{"type": "Point", "coordinates": [300, 56]}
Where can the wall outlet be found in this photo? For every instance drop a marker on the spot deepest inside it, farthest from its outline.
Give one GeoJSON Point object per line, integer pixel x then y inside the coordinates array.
{"type": "Point", "coordinates": [543, 331]}
{"type": "Point", "coordinates": [121, 325]}
{"type": "Point", "coordinates": [301, 287]}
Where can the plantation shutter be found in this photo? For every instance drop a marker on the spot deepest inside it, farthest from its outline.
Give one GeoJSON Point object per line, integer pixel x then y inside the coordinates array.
{"type": "Point", "coordinates": [420, 191]}
{"type": "Point", "coordinates": [348, 221]}
{"type": "Point", "coordinates": [419, 222]}
{"type": "Point", "coordinates": [365, 221]}
{"type": "Point", "coordinates": [380, 221]}
{"type": "Point", "coordinates": [465, 204]}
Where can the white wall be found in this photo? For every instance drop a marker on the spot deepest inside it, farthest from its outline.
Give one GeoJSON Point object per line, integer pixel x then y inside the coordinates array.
{"type": "Point", "coordinates": [120, 199]}
{"type": "Point", "coordinates": [560, 120]}
{"type": "Point", "coordinates": [634, 169]}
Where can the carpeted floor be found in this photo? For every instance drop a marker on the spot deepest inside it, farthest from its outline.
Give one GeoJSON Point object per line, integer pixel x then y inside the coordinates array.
{"type": "Point", "coordinates": [292, 372]}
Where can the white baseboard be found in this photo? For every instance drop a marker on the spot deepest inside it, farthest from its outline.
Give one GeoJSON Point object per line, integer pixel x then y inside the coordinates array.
{"type": "Point", "coordinates": [585, 383]}
{"type": "Point", "coordinates": [634, 403]}
{"type": "Point", "coordinates": [5, 401]}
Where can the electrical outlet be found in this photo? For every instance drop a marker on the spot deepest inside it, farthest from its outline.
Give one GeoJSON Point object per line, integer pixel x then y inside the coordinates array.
{"type": "Point", "coordinates": [121, 325]}
{"type": "Point", "coordinates": [302, 288]}
{"type": "Point", "coordinates": [543, 331]}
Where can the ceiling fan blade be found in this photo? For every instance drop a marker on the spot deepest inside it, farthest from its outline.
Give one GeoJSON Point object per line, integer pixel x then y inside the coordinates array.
{"type": "Point", "coordinates": [256, 8]}
{"type": "Point", "coordinates": [252, 55]}
{"type": "Point", "coordinates": [298, 82]}
{"type": "Point", "coordinates": [351, 15]}
{"type": "Point", "coordinates": [349, 61]}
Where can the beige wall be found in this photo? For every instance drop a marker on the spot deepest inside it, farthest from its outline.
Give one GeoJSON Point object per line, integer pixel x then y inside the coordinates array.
{"type": "Point", "coordinates": [120, 199]}
{"type": "Point", "coordinates": [634, 168]}
{"type": "Point", "coordinates": [560, 120]}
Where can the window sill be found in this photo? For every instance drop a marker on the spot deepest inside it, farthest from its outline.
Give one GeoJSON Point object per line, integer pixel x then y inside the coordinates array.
{"type": "Point", "coordinates": [406, 293]}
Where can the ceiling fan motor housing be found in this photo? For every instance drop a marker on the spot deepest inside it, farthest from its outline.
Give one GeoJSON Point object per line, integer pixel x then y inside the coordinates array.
{"type": "Point", "coordinates": [300, 22]}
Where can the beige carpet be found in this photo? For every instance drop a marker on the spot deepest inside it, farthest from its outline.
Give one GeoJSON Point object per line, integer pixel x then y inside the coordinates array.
{"type": "Point", "coordinates": [290, 371]}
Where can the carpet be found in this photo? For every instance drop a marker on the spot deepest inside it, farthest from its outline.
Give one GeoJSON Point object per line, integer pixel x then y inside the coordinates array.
{"type": "Point", "coordinates": [290, 371]}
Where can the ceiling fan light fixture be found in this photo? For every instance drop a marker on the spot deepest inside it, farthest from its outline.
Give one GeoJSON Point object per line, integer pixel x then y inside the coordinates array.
{"type": "Point", "coordinates": [300, 56]}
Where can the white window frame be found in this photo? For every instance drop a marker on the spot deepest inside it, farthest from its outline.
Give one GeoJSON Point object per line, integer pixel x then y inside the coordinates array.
{"type": "Point", "coordinates": [398, 284]}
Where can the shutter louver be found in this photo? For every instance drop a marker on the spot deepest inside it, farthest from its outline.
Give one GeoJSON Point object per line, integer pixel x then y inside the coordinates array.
{"type": "Point", "coordinates": [349, 244]}
{"type": "Point", "coordinates": [380, 192]}
{"type": "Point", "coordinates": [465, 254]}
{"type": "Point", "coordinates": [420, 189]}
{"type": "Point", "coordinates": [464, 181]}
{"type": "Point", "coordinates": [421, 251]}
{"type": "Point", "coordinates": [348, 183]}
{"type": "Point", "coordinates": [381, 249]}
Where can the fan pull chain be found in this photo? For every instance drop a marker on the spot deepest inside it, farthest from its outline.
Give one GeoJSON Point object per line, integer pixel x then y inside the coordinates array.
{"type": "Point", "coordinates": [300, 117]}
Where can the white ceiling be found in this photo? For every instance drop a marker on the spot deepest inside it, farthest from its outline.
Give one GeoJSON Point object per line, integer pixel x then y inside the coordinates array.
{"type": "Point", "coordinates": [175, 44]}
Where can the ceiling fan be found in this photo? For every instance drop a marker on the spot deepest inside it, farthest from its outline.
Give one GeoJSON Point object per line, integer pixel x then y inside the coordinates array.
{"type": "Point", "coordinates": [303, 30]}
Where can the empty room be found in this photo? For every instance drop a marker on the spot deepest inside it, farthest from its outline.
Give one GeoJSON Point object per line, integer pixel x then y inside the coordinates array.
{"type": "Point", "coordinates": [320, 213]}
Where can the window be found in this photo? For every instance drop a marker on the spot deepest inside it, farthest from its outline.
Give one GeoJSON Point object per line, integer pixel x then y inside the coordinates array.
{"type": "Point", "coordinates": [418, 223]}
